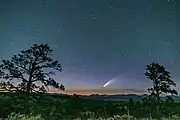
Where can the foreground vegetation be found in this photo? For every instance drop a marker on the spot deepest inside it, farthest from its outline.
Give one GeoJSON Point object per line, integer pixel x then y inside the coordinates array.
{"type": "Point", "coordinates": [116, 117]}
{"type": "Point", "coordinates": [59, 107]}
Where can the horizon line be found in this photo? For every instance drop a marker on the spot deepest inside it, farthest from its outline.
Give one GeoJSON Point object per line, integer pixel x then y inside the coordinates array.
{"type": "Point", "coordinates": [98, 91]}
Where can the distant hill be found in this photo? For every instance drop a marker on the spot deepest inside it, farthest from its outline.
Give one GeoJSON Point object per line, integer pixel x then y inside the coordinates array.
{"type": "Point", "coordinates": [113, 97]}
{"type": "Point", "coordinates": [119, 97]}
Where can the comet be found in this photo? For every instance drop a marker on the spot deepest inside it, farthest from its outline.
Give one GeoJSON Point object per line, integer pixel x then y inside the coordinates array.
{"type": "Point", "coordinates": [108, 83]}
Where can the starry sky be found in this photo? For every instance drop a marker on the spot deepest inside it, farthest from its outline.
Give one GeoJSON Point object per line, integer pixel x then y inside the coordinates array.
{"type": "Point", "coordinates": [96, 40]}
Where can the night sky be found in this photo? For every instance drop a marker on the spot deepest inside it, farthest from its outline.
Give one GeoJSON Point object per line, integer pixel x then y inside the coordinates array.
{"type": "Point", "coordinates": [96, 40]}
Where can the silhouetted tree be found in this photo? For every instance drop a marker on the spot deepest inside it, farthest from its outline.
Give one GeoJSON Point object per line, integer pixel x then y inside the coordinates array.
{"type": "Point", "coordinates": [28, 68]}
{"type": "Point", "coordinates": [162, 84]}
{"type": "Point", "coordinates": [161, 79]}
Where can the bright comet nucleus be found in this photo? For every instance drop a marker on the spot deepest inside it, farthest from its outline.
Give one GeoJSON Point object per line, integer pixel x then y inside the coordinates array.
{"type": "Point", "coordinates": [108, 83]}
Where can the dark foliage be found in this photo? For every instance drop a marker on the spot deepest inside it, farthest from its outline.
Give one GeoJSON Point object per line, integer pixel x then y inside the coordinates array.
{"type": "Point", "coordinates": [30, 67]}
{"type": "Point", "coordinates": [162, 82]}
{"type": "Point", "coordinates": [55, 107]}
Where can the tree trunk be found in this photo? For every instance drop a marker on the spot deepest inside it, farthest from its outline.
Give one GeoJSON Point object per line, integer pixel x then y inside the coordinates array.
{"type": "Point", "coordinates": [157, 99]}
{"type": "Point", "coordinates": [28, 90]}
{"type": "Point", "coordinates": [27, 95]}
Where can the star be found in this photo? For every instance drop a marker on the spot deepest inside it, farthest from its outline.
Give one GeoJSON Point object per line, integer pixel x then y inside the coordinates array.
{"type": "Point", "coordinates": [82, 21]}
{"type": "Point", "coordinates": [74, 5]}
{"type": "Point", "coordinates": [110, 4]}
{"type": "Point", "coordinates": [137, 30]}
{"type": "Point", "coordinates": [94, 17]}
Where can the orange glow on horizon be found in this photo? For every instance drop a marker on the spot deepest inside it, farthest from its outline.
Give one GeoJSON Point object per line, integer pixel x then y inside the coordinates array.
{"type": "Point", "coordinates": [99, 91]}
{"type": "Point", "coordinates": [96, 91]}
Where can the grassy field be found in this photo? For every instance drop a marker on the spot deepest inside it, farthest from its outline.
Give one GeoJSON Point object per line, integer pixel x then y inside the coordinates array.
{"type": "Point", "coordinates": [116, 117]}
{"type": "Point", "coordinates": [64, 107]}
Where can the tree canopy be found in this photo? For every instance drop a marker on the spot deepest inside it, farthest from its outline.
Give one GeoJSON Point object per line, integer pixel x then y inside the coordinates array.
{"type": "Point", "coordinates": [161, 79]}
{"type": "Point", "coordinates": [31, 70]}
